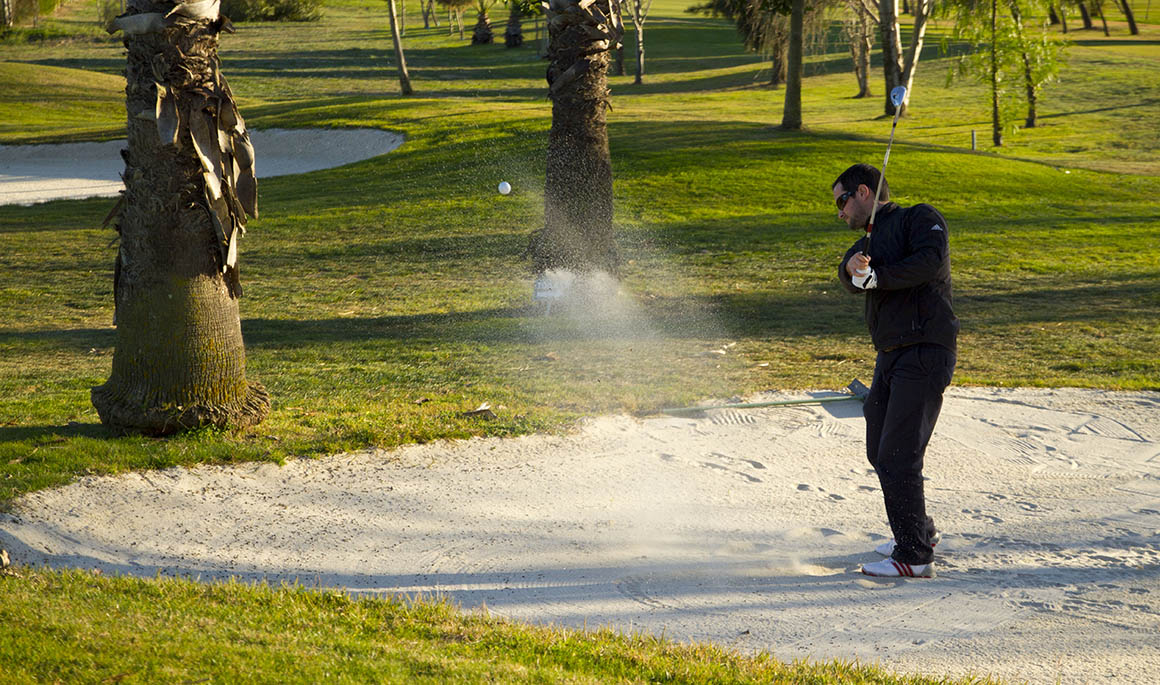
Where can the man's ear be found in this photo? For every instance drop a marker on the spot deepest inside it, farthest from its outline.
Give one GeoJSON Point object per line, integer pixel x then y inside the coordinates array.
{"type": "Point", "coordinates": [868, 192]}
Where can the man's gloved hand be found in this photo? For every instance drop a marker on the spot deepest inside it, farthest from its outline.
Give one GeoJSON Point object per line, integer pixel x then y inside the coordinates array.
{"type": "Point", "coordinates": [865, 279]}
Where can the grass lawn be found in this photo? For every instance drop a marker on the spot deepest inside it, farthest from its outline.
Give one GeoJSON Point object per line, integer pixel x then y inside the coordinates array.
{"type": "Point", "coordinates": [385, 298]}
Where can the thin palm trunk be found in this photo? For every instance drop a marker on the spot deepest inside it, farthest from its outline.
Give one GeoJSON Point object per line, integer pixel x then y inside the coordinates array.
{"type": "Point", "coordinates": [791, 117]}
{"type": "Point", "coordinates": [396, 36]}
{"type": "Point", "coordinates": [179, 361]}
{"type": "Point", "coordinates": [996, 124]}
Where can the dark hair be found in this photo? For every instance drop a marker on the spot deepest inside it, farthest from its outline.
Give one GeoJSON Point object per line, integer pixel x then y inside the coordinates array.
{"type": "Point", "coordinates": [862, 175]}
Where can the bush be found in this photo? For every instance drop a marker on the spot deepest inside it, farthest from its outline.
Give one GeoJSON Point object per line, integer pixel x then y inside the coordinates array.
{"type": "Point", "coordinates": [272, 10]}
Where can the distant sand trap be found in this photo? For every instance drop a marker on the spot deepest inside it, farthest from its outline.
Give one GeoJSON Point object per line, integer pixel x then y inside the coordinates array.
{"type": "Point", "coordinates": [1049, 502]}
{"type": "Point", "coordinates": [38, 173]}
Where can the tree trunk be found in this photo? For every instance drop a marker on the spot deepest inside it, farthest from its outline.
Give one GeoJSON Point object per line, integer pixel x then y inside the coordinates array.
{"type": "Point", "coordinates": [402, 22]}
{"type": "Point", "coordinates": [1100, 8]}
{"type": "Point", "coordinates": [577, 233]}
{"type": "Point", "coordinates": [1084, 15]}
{"type": "Point", "coordinates": [996, 124]}
{"type": "Point", "coordinates": [922, 12]}
{"type": "Point", "coordinates": [777, 65]}
{"type": "Point", "coordinates": [404, 77]}
{"type": "Point", "coordinates": [1028, 77]}
{"type": "Point", "coordinates": [1063, 16]}
{"type": "Point", "coordinates": [1126, 6]}
{"type": "Point", "coordinates": [639, 79]}
{"type": "Point", "coordinates": [7, 10]}
{"type": "Point", "coordinates": [513, 35]}
{"type": "Point", "coordinates": [482, 34]}
{"type": "Point", "coordinates": [891, 48]}
{"type": "Point", "coordinates": [791, 115]}
{"type": "Point", "coordinates": [179, 362]}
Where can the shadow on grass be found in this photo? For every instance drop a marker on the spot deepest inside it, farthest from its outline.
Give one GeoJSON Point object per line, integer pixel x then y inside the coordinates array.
{"type": "Point", "coordinates": [48, 435]}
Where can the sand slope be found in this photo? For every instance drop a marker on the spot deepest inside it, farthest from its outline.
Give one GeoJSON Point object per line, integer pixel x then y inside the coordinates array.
{"type": "Point", "coordinates": [745, 528]}
{"type": "Point", "coordinates": [39, 173]}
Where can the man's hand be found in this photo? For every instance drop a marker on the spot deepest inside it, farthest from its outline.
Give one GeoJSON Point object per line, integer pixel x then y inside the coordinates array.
{"type": "Point", "coordinates": [858, 263]}
{"type": "Point", "coordinates": [861, 275]}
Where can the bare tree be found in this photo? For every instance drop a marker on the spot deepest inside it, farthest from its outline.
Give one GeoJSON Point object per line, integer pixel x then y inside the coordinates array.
{"type": "Point", "coordinates": [639, 10]}
{"type": "Point", "coordinates": [859, 28]}
{"type": "Point", "coordinates": [179, 361]}
{"type": "Point", "coordinates": [899, 71]}
{"type": "Point", "coordinates": [577, 233]}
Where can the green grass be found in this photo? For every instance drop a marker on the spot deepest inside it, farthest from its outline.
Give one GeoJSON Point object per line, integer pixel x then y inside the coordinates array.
{"type": "Point", "coordinates": [385, 298]}
{"type": "Point", "coordinates": [164, 630]}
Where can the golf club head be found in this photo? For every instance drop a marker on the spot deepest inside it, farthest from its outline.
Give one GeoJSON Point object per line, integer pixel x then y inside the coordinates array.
{"type": "Point", "coordinates": [898, 95]}
{"type": "Point", "coordinates": [859, 389]}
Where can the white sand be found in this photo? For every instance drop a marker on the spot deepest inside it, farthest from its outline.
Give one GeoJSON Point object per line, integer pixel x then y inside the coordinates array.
{"type": "Point", "coordinates": [745, 528]}
{"type": "Point", "coordinates": [39, 173]}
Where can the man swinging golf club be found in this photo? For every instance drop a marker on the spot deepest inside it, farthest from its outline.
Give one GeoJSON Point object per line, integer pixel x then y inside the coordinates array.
{"type": "Point", "coordinates": [907, 287]}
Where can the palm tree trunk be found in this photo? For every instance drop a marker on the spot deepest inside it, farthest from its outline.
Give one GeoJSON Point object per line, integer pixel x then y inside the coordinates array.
{"type": "Point", "coordinates": [577, 233]}
{"type": "Point", "coordinates": [996, 124]}
{"type": "Point", "coordinates": [791, 116]}
{"type": "Point", "coordinates": [179, 361]}
{"type": "Point", "coordinates": [404, 77]}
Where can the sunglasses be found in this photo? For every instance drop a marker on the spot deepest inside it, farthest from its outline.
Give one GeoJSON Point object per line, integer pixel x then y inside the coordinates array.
{"type": "Point", "coordinates": [842, 199]}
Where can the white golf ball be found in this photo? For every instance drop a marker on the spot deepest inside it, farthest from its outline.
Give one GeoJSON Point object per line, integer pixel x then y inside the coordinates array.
{"type": "Point", "coordinates": [504, 187]}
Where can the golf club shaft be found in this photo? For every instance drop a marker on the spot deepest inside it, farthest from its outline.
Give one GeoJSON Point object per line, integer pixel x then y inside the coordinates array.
{"type": "Point", "coordinates": [881, 176]}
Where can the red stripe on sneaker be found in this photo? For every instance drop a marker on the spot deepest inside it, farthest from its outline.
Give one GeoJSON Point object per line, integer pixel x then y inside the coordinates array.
{"type": "Point", "coordinates": [903, 569]}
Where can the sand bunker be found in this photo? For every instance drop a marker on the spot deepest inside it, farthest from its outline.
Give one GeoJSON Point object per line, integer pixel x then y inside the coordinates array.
{"type": "Point", "coordinates": [745, 528]}
{"type": "Point", "coordinates": [39, 173]}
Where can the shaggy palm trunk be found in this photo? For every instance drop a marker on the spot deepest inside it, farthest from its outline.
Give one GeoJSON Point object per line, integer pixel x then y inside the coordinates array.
{"type": "Point", "coordinates": [179, 362]}
{"type": "Point", "coordinates": [396, 36]}
{"type": "Point", "coordinates": [513, 35]}
{"type": "Point", "coordinates": [791, 117]}
{"type": "Point", "coordinates": [577, 233]}
{"type": "Point", "coordinates": [482, 34]}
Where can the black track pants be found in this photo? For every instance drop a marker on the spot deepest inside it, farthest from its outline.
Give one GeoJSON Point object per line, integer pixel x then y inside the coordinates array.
{"type": "Point", "coordinates": [901, 410]}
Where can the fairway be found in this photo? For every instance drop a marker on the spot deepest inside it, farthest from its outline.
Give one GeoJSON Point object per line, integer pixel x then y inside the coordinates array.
{"type": "Point", "coordinates": [388, 309]}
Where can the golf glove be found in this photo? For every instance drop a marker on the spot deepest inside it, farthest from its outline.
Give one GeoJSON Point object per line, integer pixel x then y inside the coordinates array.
{"type": "Point", "coordinates": [865, 279]}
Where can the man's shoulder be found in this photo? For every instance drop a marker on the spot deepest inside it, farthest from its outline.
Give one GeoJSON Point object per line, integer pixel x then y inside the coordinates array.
{"type": "Point", "coordinates": [922, 209]}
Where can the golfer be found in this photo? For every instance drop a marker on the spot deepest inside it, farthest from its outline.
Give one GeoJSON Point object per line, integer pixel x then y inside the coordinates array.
{"type": "Point", "coordinates": [906, 280]}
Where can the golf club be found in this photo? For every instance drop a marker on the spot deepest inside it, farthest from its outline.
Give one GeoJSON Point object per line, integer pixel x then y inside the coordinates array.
{"type": "Point", "coordinates": [897, 96]}
{"type": "Point", "coordinates": [856, 387]}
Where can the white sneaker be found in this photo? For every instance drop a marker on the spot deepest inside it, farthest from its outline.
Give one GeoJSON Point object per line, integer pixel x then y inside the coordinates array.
{"type": "Point", "coordinates": [887, 548]}
{"type": "Point", "coordinates": [889, 568]}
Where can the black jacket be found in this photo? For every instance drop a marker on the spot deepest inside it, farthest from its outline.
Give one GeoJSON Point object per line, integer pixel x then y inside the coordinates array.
{"type": "Point", "coordinates": [910, 254]}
